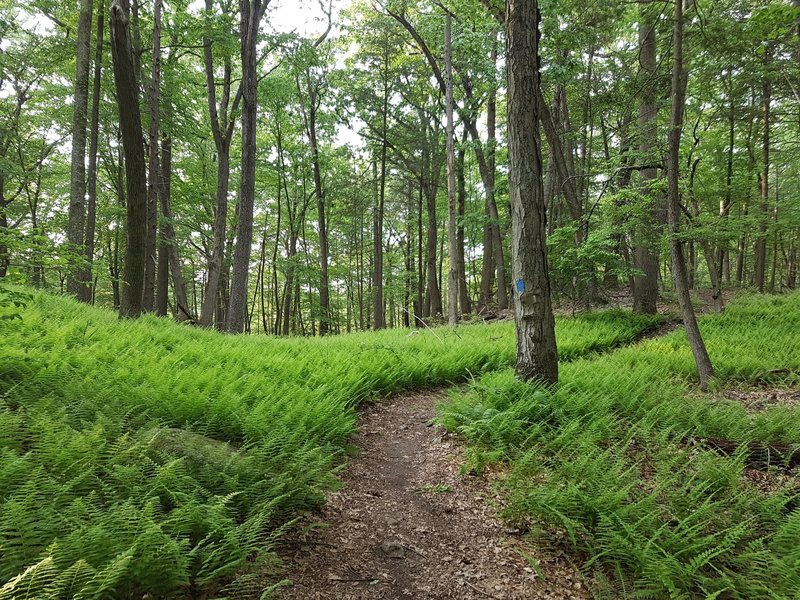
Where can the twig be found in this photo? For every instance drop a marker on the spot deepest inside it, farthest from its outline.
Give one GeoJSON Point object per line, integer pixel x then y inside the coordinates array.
{"type": "Point", "coordinates": [349, 579]}
{"type": "Point", "coordinates": [423, 322]}
{"type": "Point", "coordinates": [415, 551]}
{"type": "Point", "coordinates": [480, 591]}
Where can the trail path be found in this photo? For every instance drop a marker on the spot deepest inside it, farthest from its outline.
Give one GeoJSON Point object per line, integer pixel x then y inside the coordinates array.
{"type": "Point", "coordinates": [407, 524]}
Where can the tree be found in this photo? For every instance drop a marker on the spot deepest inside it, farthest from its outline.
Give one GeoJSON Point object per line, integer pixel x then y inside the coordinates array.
{"type": "Point", "coordinates": [85, 291]}
{"type": "Point", "coordinates": [130, 122]}
{"type": "Point", "coordinates": [678, 262]}
{"type": "Point", "coordinates": [153, 175]}
{"type": "Point", "coordinates": [537, 357]}
{"type": "Point", "coordinates": [646, 255]}
{"type": "Point", "coordinates": [452, 223]}
{"type": "Point", "coordinates": [77, 203]}
{"type": "Point", "coordinates": [223, 122]}
{"type": "Point", "coordinates": [251, 13]}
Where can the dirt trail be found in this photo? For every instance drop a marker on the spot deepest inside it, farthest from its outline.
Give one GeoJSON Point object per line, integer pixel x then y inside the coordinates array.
{"type": "Point", "coordinates": [406, 524]}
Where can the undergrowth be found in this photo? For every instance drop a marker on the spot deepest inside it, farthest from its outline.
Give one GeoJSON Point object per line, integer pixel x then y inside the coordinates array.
{"type": "Point", "coordinates": [152, 459]}
{"type": "Point", "coordinates": [613, 464]}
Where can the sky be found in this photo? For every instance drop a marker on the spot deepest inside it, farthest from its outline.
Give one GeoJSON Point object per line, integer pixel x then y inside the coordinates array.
{"type": "Point", "coordinates": [306, 17]}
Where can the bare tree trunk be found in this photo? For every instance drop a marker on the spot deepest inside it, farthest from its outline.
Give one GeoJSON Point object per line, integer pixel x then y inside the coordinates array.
{"type": "Point", "coordinates": [153, 177]}
{"type": "Point", "coordinates": [679, 275]}
{"type": "Point", "coordinates": [463, 288]}
{"type": "Point", "coordinates": [759, 271]}
{"type": "Point", "coordinates": [251, 13]}
{"type": "Point", "coordinates": [452, 208]}
{"type": "Point", "coordinates": [537, 356]}
{"type": "Point", "coordinates": [319, 192]}
{"type": "Point", "coordinates": [182, 307]}
{"type": "Point", "coordinates": [646, 254]}
{"type": "Point", "coordinates": [222, 126]}
{"type": "Point", "coordinates": [85, 290]}
{"type": "Point", "coordinates": [77, 190]}
{"type": "Point", "coordinates": [5, 259]}
{"type": "Point", "coordinates": [377, 280]}
{"type": "Point", "coordinates": [131, 127]}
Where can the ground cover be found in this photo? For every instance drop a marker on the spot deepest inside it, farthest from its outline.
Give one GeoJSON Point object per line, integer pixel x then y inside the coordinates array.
{"type": "Point", "coordinates": [643, 478]}
{"type": "Point", "coordinates": [152, 458]}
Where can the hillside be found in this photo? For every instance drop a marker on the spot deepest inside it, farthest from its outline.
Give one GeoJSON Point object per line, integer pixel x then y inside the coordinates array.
{"type": "Point", "coordinates": [149, 457]}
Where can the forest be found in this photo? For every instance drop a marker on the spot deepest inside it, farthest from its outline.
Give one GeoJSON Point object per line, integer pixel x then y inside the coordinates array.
{"type": "Point", "coordinates": [547, 250]}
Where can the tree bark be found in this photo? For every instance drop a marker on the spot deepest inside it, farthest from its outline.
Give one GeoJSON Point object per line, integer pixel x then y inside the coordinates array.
{"type": "Point", "coordinates": [378, 215]}
{"type": "Point", "coordinates": [77, 189]}
{"type": "Point", "coordinates": [319, 192]}
{"type": "Point", "coordinates": [170, 246]}
{"type": "Point", "coordinates": [537, 356]}
{"type": "Point", "coordinates": [646, 254]}
{"type": "Point", "coordinates": [461, 266]}
{"type": "Point", "coordinates": [760, 268]}
{"type": "Point", "coordinates": [136, 183]}
{"type": "Point", "coordinates": [250, 17]}
{"type": "Point", "coordinates": [153, 176]}
{"type": "Point", "coordinates": [85, 292]}
{"type": "Point", "coordinates": [679, 275]}
{"type": "Point", "coordinates": [452, 213]}
{"type": "Point", "coordinates": [222, 126]}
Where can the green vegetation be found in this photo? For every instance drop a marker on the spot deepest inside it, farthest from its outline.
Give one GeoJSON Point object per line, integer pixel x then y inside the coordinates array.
{"type": "Point", "coordinates": [150, 457]}
{"type": "Point", "coordinates": [613, 462]}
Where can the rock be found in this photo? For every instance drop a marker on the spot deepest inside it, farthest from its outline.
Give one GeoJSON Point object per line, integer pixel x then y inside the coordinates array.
{"type": "Point", "coordinates": [392, 549]}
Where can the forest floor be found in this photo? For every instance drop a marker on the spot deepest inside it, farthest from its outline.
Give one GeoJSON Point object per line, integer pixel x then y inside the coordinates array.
{"type": "Point", "coordinates": [408, 524]}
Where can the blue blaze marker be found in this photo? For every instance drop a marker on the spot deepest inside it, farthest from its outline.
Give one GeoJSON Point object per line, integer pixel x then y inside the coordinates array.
{"type": "Point", "coordinates": [520, 286]}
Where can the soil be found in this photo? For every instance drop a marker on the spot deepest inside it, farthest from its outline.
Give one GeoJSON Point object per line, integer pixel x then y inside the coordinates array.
{"type": "Point", "coordinates": [408, 524]}
{"type": "Point", "coordinates": [760, 399]}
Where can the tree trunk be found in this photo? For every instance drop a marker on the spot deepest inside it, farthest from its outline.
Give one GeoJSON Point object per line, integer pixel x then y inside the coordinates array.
{"type": "Point", "coordinates": [182, 308]}
{"type": "Point", "coordinates": [537, 356]}
{"type": "Point", "coordinates": [222, 126]}
{"type": "Point", "coordinates": [153, 177]}
{"type": "Point", "coordinates": [679, 275]}
{"type": "Point", "coordinates": [452, 208]}
{"type": "Point", "coordinates": [433, 290]}
{"type": "Point", "coordinates": [646, 254]}
{"type": "Point", "coordinates": [377, 280]}
{"type": "Point", "coordinates": [5, 260]}
{"type": "Point", "coordinates": [212, 289]}
{"type": "Point", "coordinates": [463, 287]}
{"type": "Point", "coordinates": [319, 192]}
{"type": "Point", "coordinates": [77, 189]}
{"type": "Point", "coordinates": [759, 270]}
{"type": "Point", "coordinates": [85, 292]}
{"type": "Point", "coordinates": [251, 12]}
{"type": "Point", "coordinates": [136, 182]}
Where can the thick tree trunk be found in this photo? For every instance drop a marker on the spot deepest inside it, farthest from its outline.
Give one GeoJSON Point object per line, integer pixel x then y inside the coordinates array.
{"type": "Point", "coordinates": [250, 13]}
{"type": "Point", "coordinates": [537, 357]}
{"type": "Point", "coordinates": [136, 182]}
{"type": "Point", "coordinates": [85, 290]}
{"type": "Point", "coordinates": [77, 189]}
{"type": "Point", "coordinates": [452, 208]}
{"type": "Point", "coordinates": [153, 176]}
{"type": "Point", "coordinates": [646, 254]}
{"type": "Point", "coordinates": [679, 275]}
